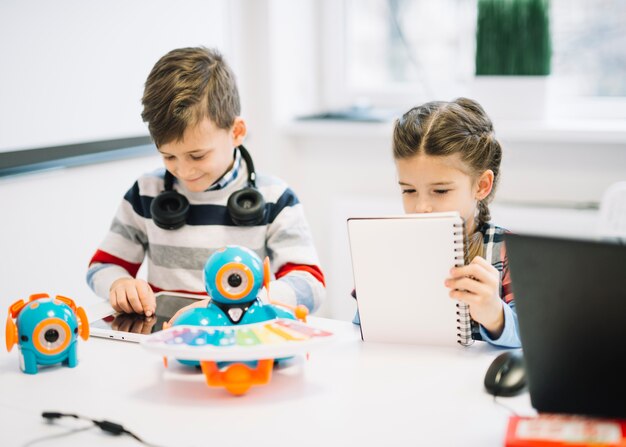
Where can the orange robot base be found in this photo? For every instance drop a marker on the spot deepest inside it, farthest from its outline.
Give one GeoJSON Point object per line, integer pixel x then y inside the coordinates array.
{"type": "Point", "coordinates": [237, 378]}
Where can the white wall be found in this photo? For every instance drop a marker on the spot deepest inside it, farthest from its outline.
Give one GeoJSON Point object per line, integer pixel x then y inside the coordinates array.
{"type": "Point", "coordinates": [52, 223]}
{"type": "Point", "coordinates": [73, 71]}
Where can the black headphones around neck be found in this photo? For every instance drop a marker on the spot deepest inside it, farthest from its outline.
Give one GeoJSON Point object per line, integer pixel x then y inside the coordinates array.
{"type": "Point", "coordinates": [246, 206]}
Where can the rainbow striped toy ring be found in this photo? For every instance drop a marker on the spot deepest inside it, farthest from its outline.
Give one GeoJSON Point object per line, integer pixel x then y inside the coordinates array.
{"type": "Point", "coordinates": [270, 339]}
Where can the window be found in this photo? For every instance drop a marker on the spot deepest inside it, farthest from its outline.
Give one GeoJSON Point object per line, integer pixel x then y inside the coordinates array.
{"type": "Point", "coordinates": [391, 50]}
{"type": "Point", "coordinates": [408, 42]}
{"type": "Point", "coordinates": [589, 46]}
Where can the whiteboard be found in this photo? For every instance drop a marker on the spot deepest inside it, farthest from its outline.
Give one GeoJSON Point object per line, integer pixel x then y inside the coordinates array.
{"type": "Point", "coordinates": [73, 71]}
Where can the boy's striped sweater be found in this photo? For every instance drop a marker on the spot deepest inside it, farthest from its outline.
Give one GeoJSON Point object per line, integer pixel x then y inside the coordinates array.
{"type": "Point", "coordinates": [176, 258]}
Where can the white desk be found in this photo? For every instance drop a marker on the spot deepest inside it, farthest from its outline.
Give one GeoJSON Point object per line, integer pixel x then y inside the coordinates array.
{"type": "Point", "coordinates": [350, 393]}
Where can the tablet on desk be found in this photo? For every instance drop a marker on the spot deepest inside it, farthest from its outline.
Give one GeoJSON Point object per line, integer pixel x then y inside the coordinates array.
{"type": "Point", "coordinates": [107, 323]}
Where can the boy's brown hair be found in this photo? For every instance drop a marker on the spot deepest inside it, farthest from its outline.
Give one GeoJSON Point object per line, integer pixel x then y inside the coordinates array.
{"type": "Point", "coordinates": [184, 87]}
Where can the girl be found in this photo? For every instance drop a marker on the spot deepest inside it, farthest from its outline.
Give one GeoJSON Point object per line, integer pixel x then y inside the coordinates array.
{"type": "Point", "coordinates": [448, 159]}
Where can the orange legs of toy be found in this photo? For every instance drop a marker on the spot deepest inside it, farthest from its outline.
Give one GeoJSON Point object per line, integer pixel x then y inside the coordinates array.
{"type": "Point", "coordinates": [237, 378]}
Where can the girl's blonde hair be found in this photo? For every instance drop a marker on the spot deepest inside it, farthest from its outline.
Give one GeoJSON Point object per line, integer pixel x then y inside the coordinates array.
{"type": "Point", "coordinates": [442, 128]}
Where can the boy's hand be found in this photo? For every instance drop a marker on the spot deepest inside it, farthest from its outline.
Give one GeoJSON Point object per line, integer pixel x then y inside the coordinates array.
{"type": "Point", "coordinates": [478, 284]}
{"type": "Point", "coordinates": [132, 295]}
{"type": "Point", "coordinates": [200, 303]}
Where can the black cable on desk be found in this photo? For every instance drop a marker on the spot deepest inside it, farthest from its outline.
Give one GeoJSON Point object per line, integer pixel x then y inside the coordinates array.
{"type": "Point", "coordinates": [107, 426]}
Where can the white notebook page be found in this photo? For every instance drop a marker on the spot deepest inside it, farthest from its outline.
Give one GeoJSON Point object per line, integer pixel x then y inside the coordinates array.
{"type": "Point", "coordinates": [400, 264]}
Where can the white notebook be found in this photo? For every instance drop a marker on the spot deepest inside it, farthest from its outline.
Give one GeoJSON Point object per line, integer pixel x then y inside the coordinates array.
{"type": "Point", "coordinates": [400, 264]}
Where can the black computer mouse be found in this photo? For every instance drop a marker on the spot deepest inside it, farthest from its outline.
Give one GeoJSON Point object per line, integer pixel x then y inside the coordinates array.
{"type": "Point", "coordinates": [506, 376]}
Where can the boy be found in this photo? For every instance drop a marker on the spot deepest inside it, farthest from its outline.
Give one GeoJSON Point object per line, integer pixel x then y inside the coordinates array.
{"type": "Point", "coordinates": [191, 105]}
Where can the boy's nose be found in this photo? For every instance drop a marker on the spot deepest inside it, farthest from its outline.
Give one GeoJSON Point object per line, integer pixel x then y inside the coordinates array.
{"type": "Point", "coordinates": [185, 172]}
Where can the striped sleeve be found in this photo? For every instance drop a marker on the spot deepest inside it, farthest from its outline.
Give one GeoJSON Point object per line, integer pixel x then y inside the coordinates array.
{"type": "Point", "coordinates": [506, 289]}
{"type": "Point", "coordinates": [299, 279]}
{"type": "Point", "coordinates": [496, 250]}
{"type": "Point", "coordinates": [124, 247]}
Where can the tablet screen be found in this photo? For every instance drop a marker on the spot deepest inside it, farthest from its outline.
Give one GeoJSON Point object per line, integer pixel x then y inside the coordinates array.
{"type": "Point", "coordinates": [167, 306]}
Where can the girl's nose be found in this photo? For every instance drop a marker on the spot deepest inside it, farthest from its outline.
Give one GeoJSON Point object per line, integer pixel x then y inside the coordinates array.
{"type": "Point", "coordinates": [423, 207]}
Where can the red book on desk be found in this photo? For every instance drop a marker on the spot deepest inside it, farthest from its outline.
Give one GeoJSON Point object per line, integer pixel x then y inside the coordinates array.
{"type": "Point", "coordinates": [552, 430]}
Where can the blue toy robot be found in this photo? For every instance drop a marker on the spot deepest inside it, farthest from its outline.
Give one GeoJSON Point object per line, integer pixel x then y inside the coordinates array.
{"type": "Point", "coordinates": [45, 330]}
{"type": "Point", "coordinates": [233, 277]}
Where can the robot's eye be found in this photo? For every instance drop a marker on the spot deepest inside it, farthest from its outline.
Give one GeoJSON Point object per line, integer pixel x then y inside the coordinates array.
{"type": "Point", "coordinates": [51, 336]}
{"type": "Point", "coordinates": [234, 281]}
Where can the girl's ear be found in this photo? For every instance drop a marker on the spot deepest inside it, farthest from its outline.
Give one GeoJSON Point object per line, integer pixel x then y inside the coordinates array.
{"type": "Point", "coordinates": [485, 184]}
{"type": "Point", "coordinates": [238, 131]}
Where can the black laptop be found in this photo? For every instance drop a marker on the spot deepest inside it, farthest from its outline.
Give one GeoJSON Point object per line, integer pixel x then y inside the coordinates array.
{"type": "Point", "coordinates": [571, 304]}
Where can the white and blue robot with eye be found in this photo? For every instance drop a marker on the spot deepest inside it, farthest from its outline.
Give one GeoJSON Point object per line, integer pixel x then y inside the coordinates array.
{"type": "Point", "coordinates": [46, 331]}
{"type": "Point", "coordinates": [234, 277]}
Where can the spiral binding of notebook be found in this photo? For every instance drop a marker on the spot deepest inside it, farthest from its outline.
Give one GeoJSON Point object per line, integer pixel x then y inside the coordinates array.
{"type": "Point", "coordinates": [464, 319]}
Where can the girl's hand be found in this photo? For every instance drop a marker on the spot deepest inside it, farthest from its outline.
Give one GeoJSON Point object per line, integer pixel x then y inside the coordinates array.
{"type": "Point", "coordinates": [478, 285]}
{"type": "Point", "coordinates": [199, 303]}
{"type": "Point", "coordinates": [132, 295]}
